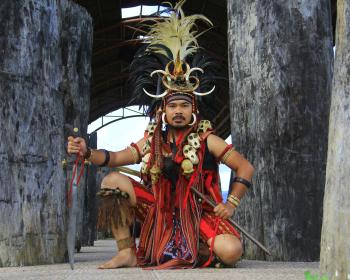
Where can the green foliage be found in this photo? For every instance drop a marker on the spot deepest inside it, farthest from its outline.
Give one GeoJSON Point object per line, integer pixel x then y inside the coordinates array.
{"type": "Point", "coordinates": [309, 276]}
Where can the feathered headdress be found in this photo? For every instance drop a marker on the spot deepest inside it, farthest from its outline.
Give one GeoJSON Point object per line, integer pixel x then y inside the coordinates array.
{"type": "Point", "coordinates": [171, 45]}
{"type": "Point", "coordinates": [176, 38]}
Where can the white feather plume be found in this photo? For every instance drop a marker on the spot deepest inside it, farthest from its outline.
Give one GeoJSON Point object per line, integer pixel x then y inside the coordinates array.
{"type": "Point", "coordinates": [178, 33]}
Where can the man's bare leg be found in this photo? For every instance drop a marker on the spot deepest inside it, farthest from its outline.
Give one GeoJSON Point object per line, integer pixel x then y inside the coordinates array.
{"type": "Point", "coordinates": [126, 256]}
{"type": "Point", "coordinates": [228, 248]}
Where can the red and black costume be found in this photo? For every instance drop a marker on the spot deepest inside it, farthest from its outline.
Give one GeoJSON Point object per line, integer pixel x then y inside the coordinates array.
{"type": "Point", "coordinates": [174, 221]}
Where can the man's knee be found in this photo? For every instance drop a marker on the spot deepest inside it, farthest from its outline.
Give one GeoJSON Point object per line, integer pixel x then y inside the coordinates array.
{"type": "Point", "coordinates": [230, 251]}
{"type": "Point", "coordinates": [232, 254]}
{"type": "Point", "coordinates": [116, 180]}
{"type": "Point", "coordinates": [113, 180]}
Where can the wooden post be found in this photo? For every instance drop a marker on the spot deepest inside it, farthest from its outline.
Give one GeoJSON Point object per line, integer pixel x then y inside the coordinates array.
{"type": "Point", "coordinates": [90, 201]}
{"type": "Point", "coordinates": [45, 51]}
{"type": "Point", "coordinates": [335, 242]}
{"type": "Point", "coordinates": [280, 66]}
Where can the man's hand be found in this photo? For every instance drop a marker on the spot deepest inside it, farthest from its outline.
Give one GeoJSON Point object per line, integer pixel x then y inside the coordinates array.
{"type": "Point", "coordinates": [224, 211]}
{"type": "Point", "coordinates": [76, 145]}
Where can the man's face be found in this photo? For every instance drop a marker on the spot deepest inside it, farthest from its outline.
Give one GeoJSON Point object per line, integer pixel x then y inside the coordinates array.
{"type": "Point", "coordinates": [178, 113]}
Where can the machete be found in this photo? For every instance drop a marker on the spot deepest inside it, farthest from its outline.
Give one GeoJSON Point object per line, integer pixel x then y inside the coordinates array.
{"type": "Point", "coordinates": [73, 211]}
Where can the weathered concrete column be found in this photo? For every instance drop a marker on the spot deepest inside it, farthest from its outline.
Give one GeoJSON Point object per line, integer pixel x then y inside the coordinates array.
{"type": "Point", "coordinates": [335, 242]}
{"type": "Point", "coordinates": [280, 56]}
{"type": "Point", "coordinates": [45, 52]}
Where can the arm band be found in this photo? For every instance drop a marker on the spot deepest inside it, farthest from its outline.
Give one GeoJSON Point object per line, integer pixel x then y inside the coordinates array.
{"type": "Point", "coordinates": [138, 153]}
{"type": "Point", "coordinates": [107, 158]}
{"type": "Point", "coordinates": [242, 181]}
{"type": "Point", "coordinates": [226, 153]}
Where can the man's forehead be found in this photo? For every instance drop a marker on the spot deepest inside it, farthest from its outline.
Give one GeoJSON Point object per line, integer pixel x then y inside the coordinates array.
{"type": "Point", "coordinates": [183, 96]}
{"type": "Point", "coordinates": [179, 101]}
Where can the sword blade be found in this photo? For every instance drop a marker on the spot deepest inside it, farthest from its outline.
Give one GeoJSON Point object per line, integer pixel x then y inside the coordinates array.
{"type": "Point", "coordinates": [72, 224]}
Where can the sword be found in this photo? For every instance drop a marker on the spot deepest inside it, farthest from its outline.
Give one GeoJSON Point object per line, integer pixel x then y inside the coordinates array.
{"type": "Point", "coordinates": [212, 204]}
{"type": "Point", "coordinates": [73, 211]}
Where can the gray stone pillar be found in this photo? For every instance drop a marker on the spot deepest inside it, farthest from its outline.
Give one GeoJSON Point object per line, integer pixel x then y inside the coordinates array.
{"type": "Point", "coordinates": [280, 67]}
{"type": "Point", "coordinates": [335, 242]}
{"type": "Point", "coordinates": [45, 52]}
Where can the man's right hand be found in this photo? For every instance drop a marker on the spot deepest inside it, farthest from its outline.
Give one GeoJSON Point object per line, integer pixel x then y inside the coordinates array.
{"type": "Point", "coordinates": [76, 145]}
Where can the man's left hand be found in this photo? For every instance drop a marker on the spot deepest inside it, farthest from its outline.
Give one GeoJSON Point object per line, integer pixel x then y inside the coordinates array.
{"type": "Point", "coordinates": [224, 211]}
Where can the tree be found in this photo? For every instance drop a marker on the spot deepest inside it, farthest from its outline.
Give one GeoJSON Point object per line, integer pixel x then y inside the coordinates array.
{"type": "Point", "coordinates": [280, 67]}
{"type": "Point", "coordinates": [335, 243]}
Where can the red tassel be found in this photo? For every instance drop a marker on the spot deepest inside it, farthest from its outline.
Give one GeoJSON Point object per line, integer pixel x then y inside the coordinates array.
{"type": "Point", "coordinates": [189, 185]}
{"type": "Point", "coordinates": [212, 243]}
{"type": "Point", "coordinates": [75, 168]}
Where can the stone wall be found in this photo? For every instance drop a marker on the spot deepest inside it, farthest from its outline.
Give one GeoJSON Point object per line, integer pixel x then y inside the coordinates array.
{"type": "Point", "coordinates": [45, 52]}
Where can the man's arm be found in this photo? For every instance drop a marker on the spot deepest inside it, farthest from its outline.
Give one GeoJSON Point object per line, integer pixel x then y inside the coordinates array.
{"type": "Point", "coordinates": [127, 156]}
{"type": "Point", "coordinates": [236, 162]}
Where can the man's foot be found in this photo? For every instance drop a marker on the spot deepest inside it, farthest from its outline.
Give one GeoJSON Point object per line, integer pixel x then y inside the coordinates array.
{"type": "Point", "coordinates": [125, 258]}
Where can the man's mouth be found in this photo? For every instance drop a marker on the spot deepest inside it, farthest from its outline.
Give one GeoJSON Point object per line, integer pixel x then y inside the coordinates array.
{"type": "Point", "coordinates": [178, 118]}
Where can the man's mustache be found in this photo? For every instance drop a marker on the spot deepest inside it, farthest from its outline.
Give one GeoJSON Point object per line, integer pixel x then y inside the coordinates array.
{"type": "Point", "coordinates": [178, 117]}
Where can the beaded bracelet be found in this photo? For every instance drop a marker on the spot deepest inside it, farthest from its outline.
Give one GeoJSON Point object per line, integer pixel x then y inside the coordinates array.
{"type": "Point", "coordinates": [233, 200]}
{"type": "Point", "coordinates": [134, 153]}
{"type": "Point", "coordinates": [232, 204]}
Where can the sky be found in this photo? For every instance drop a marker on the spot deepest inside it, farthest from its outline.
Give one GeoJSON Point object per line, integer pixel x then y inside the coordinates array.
{"type": "Point", "coordinates": [120, 134]}
{"type": "Point", "coordinates": [146, 11]}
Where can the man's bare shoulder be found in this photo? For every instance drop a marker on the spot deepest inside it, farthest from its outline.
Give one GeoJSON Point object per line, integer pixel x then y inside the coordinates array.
{"type": "Point", "coordinates": [216, 144]}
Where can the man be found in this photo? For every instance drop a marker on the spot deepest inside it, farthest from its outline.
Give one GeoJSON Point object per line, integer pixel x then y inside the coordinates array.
{"type": "Point", "coordinates": [176, 225]}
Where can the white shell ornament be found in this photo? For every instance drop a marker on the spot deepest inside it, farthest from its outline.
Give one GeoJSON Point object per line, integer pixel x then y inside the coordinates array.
{"type": "Point", "coordinates": [187, 167]}
{"type": "Point", "coordinates": [150, 128]}
{"type": "Point", "coordinates": [146, 148]}
{"type": "Point", "coordinates": [190, 153]}
{"type": "Point", "coordinates": [203, 126]}
{"type": "Point", "coordinates": [194, 140]}
{"type": "Point", "coordinates": [145, 159]}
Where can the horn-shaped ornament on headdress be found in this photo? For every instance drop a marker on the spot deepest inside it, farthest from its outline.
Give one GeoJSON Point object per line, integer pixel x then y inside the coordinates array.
{"type": "Point", "coordinates": [179, 82]}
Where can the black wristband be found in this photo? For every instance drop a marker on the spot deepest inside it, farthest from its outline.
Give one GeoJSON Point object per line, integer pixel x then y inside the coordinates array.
{"type": "Point", "coordinates": [242, 181]}
{"type": "Point", "coordinates": [88, 153]}
{"type": "Point", "coordinates": [107, 158]}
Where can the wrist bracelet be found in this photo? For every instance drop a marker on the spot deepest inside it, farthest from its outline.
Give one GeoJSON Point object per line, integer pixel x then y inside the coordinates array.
{"type": "Point", "coordinates": [232, 204]}
{"type": "Point", "coordinates": [107, 158]}
{"type": "Point", "coordinates": [242, 181]}
{"type": "Point", "coordinates": [233, 200]}
{"type": "Point", "coordinates": [87, 155]}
